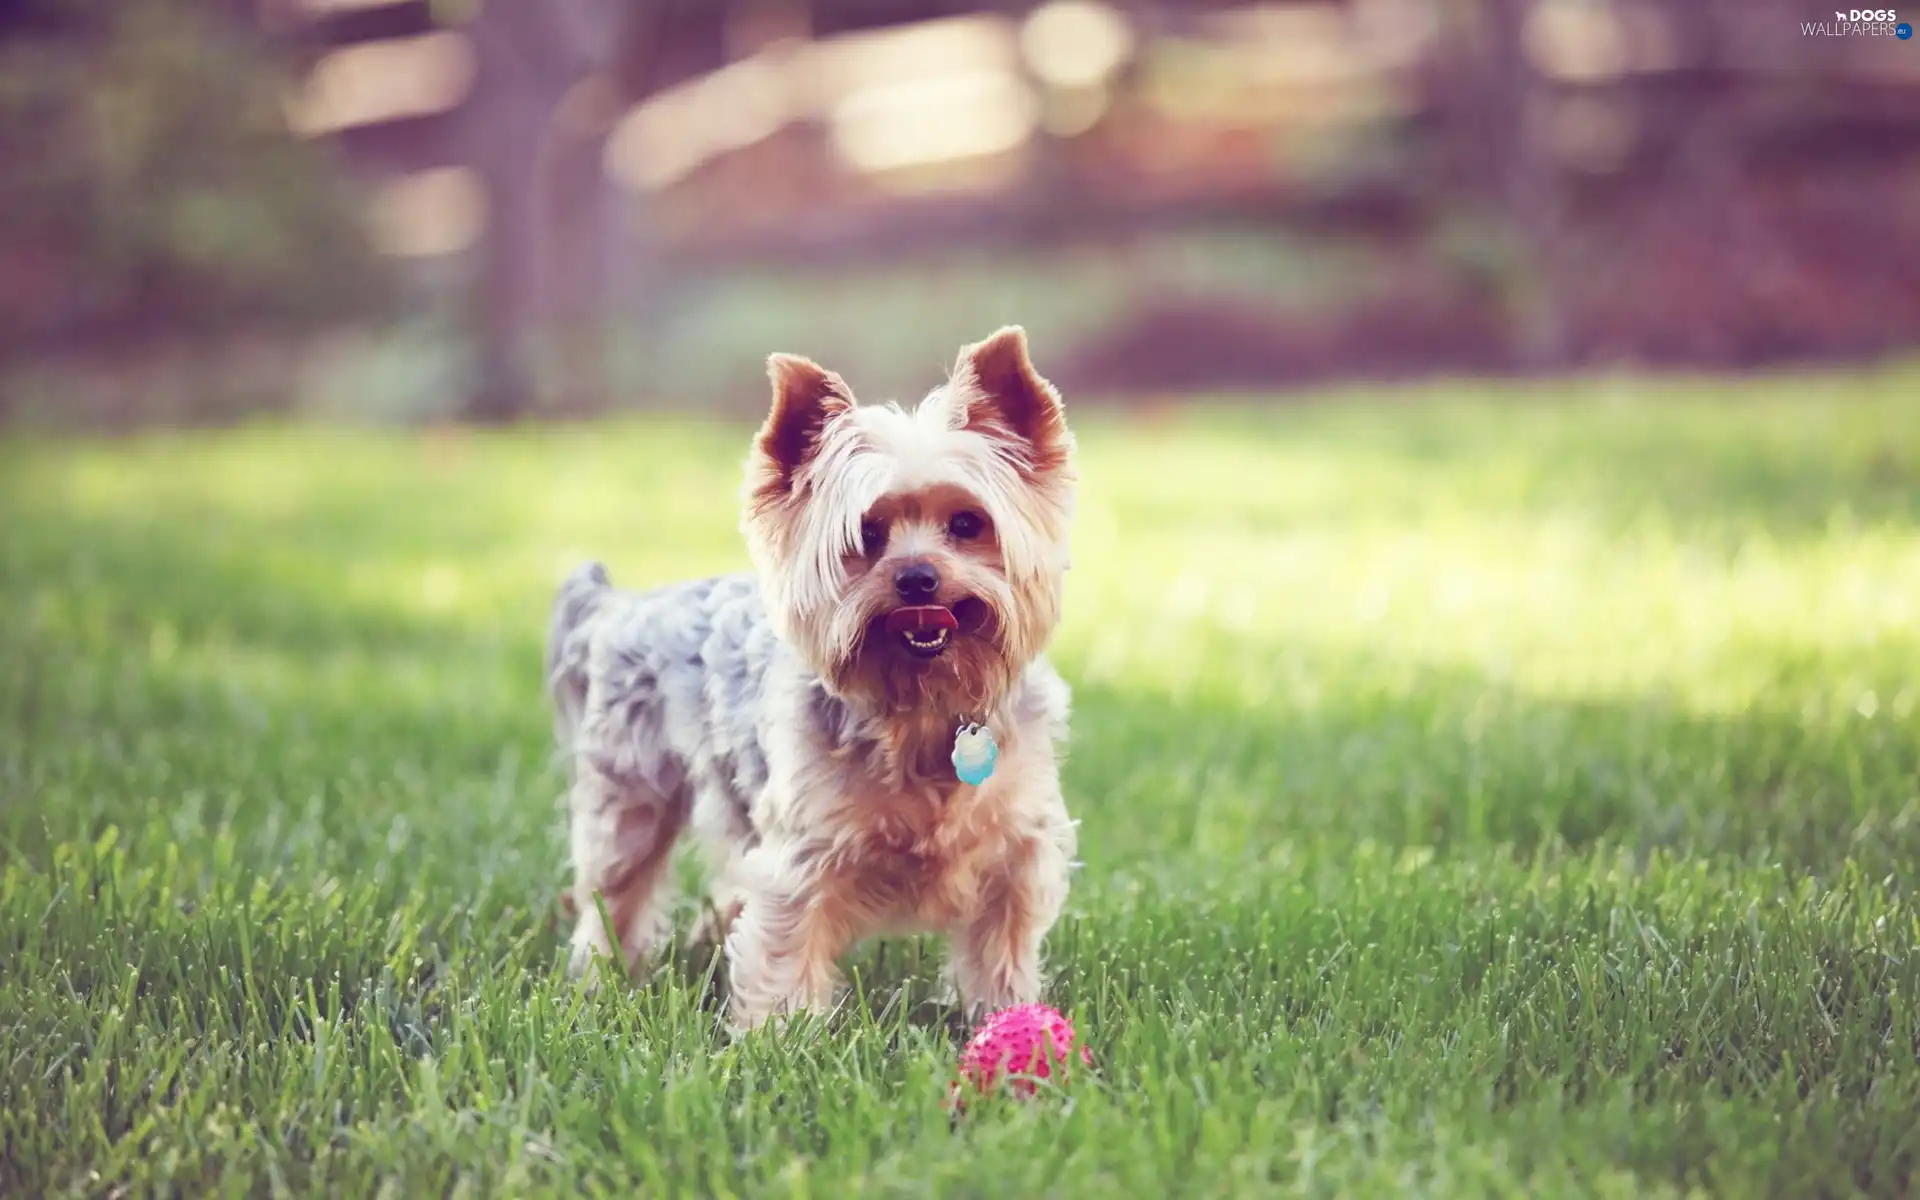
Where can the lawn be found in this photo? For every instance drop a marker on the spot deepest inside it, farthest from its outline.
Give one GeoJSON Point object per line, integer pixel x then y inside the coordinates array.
{"type": "Point", "coordinates": [1484, 791]}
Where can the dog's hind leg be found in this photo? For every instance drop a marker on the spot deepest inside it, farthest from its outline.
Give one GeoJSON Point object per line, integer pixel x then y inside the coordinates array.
{"type": "Point", "coordinates": [623, 834]}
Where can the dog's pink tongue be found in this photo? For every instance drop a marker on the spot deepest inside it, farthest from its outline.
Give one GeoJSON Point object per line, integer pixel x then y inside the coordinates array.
{"type": "Point", "coordinates": [923, 616]}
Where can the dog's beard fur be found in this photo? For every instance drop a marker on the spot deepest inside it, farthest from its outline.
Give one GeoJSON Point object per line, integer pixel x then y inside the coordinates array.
{"type": "Point", "coordinates": [840, 497]}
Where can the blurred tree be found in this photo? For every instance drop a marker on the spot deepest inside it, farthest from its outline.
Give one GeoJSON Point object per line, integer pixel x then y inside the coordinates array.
{"type": "Point", "coordinates": [152, 189]}
{"type": "Point", "coordinates": [547, 209]}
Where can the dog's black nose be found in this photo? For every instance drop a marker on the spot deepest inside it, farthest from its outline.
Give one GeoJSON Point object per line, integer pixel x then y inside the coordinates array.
{"type": "Point", "coordinates": [917, 583]}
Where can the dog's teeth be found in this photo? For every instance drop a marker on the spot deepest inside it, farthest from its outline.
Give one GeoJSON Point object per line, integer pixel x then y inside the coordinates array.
{"type": "Point", "coordinates": [922, 640]}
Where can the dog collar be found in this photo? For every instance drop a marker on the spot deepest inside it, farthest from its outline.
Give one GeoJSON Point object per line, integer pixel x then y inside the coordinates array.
{"type": "Point", "coordinates": [974, 753]}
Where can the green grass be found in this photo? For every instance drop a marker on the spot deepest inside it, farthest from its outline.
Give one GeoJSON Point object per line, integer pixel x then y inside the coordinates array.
{"type": "Point", "coordinates": [1484, 791]}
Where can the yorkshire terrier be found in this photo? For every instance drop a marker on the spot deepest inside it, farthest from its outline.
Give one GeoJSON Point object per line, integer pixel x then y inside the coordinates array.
{"type": "Point", "coordinates": [863, 731]}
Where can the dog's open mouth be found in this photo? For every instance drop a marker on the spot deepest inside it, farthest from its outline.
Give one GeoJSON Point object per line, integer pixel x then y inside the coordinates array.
{"type": "Point", "coordinates": [924, 630]}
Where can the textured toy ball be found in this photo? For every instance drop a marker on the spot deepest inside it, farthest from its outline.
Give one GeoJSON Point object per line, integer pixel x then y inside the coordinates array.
{"type": "Point", "coordinates": [1023, 1044]}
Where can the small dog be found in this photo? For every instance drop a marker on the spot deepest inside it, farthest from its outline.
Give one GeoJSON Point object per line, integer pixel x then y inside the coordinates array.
{"type": "Point", "coordinates": [805, 719]}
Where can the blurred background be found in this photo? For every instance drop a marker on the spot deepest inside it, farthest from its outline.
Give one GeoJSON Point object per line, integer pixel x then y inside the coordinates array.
{"type": "Point", "coordinates": [495, 209]}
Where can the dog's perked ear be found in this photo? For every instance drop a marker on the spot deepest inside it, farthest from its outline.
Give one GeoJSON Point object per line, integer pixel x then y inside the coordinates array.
{"type": "Point", "coordinates": [805, 397]}
{"type": "Point", "coordinates": [1012, 399]}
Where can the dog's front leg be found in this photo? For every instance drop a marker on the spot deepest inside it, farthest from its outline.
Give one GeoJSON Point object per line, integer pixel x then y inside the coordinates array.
{"type": "Point", "coordinates": [995, 955]}
{"type": "Point", "coordinates": [782, 947]}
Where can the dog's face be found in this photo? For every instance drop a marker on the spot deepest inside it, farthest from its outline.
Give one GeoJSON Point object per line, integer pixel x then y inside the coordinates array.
{"type": "Point", "coordinates": [914, 558]}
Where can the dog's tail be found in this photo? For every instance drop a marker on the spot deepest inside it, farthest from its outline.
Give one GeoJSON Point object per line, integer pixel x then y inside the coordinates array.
{"type": "Point", "coordinates": [567, 647]}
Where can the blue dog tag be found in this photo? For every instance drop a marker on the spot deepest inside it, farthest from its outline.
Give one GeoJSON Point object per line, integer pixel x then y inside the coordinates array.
{"type": "Point", "coordinates": [974, 754]}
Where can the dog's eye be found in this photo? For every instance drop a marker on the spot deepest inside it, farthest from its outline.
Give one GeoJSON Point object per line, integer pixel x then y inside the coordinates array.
{"type": "Point", "coordinates": [966, 525]}
{"type": "Point", "coordinates": [873, 537]}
